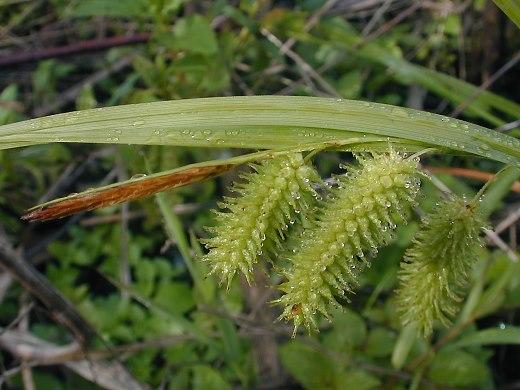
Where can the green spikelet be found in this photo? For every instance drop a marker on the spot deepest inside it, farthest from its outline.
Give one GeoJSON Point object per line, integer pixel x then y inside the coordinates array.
{"type": "Point", "coordinates": [436, 267]}
{"type": "Point", "coordinates": [356, 220]}
{"type": "Point", "coordinates": [255, 222]}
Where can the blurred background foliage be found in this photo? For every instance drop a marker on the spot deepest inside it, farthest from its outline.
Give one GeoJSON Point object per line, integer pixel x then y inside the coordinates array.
{"type": "Point", "coordinates": [132, 270]}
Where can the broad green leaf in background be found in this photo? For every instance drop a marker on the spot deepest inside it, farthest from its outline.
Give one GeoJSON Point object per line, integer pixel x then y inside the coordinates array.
{"type": "Point", "coordinates": [310, 367]}
{"type": "Point", "coordinates": [175, 297]}
{"type": "Point", "coordinates": [261, 122]}
{"type": "Point", "coordinates": [194, 34]}
{"type": "Point", "coordinates": [457, 368]}
{"type": "Point", "coordinates": [316, 370]}
{"type": "Point", "coordinates": [357, 380]}
{"type": "Point", "coordinates": [380, 342]}
{"type": "Point", "coordinates": [349, 330]}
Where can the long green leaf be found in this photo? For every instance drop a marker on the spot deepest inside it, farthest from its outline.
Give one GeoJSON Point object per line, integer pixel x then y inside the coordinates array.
{"type": "Point", "coordinates": [260, 122]}
{"type": "Point", "coordinates": [507, 335]}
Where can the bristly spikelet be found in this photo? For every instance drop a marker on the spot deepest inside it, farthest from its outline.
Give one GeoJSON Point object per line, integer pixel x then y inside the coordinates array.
{"type": "Point", "coordinates": [255, 221]}
{"type": "Point", "coordinates": [436, 267]}
{"type": "Point", "coordinates": [356, 220]}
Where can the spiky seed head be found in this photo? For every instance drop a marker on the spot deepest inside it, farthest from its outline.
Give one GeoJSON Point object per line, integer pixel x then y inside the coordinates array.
{"type": "Point", "coordinates": [353, 223]}
{"type": "Point", "coordinates": [437, 266]}
{"type": "Point", "coordinates": [254, 223]}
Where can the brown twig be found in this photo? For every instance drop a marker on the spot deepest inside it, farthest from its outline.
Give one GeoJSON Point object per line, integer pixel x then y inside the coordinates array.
{"type": "Point", "coordinates": [75, 48]}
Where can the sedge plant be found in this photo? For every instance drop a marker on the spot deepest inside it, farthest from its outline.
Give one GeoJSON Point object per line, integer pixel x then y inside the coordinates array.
{"type": "Point", "coordinates": [342, 231]}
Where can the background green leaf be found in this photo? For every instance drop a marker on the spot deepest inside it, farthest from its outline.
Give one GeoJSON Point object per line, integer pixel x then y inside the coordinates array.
{"type": "Point", "coordinates": [457, 368]}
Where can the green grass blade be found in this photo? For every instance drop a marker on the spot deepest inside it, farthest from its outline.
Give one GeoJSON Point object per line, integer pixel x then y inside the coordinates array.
{"type": "Point", "coordinates": [490, 336]}
{"type": "Point", "coordinates": [511, 8]}
{"type": "Point", "coordinates": [263, 122]}
{"type": "Point", "coordinates": [175, 231]}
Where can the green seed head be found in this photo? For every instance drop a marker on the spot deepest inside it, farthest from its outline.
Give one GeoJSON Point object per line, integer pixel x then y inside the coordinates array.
{"type": "Point", "coordinates": [436, 267]}
{"type": "Point", "coordinates": [357, 219]}
{"type": "Point", "coordinates": [254, 223]}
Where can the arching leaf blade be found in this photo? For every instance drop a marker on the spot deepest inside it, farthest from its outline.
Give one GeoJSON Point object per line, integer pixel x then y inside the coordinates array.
{"type": "Point", "coordinates": [261, 122]}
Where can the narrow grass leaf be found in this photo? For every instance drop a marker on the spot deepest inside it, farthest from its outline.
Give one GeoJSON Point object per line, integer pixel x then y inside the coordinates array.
{"type": "Point", "coordinates": [507, 335]}
{"type": "Point", "coordinates": [262, 122]}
